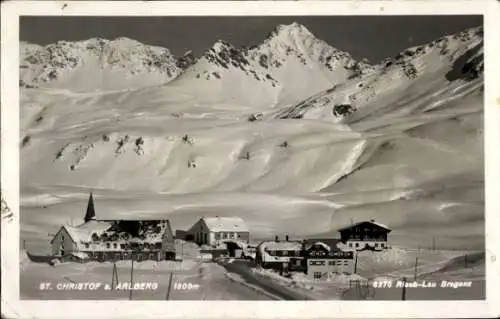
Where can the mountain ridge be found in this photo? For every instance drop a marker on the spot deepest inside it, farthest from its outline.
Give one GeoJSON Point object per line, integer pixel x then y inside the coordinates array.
{"type": "Point", "coordinates": [95, 64]}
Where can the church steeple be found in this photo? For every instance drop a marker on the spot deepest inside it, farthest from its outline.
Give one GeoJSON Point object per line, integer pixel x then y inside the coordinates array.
{"type": "Point", "coordinates": [90, 209]}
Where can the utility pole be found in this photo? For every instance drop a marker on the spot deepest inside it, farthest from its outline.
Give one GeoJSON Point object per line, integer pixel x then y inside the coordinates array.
{"type": "Point", "coordinates": [131, 278]}
{"type": "Point", "coordinates": [356, 263]}
{"type": "Point", "coordinates": [170, 284]}
{"type": "Point", "coordinates": [416, 267]}
{"type": "Point", "coordinates": [403, 291]}
{"type": "Point", "coordinates": [114, 276]}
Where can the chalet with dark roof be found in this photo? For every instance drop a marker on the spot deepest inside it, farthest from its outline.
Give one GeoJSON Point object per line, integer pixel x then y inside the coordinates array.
{"type": "Point", "coordinates": [365, 235]}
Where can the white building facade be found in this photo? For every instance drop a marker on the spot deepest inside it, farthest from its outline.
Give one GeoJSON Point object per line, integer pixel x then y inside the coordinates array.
{"type": "Point", "coordinates": [215, 231]}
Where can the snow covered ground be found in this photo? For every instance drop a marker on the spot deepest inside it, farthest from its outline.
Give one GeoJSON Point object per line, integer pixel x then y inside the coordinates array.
{"type": "Point", "coordinates": [192, 279]}
{"type": "Point", "coordinates": [392, 265]}
{"type": "Point", "coordinates": [401, 141]}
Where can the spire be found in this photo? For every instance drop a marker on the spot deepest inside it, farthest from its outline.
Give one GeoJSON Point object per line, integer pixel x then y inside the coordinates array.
{"type": "Point", "coordinates": [90, 209]}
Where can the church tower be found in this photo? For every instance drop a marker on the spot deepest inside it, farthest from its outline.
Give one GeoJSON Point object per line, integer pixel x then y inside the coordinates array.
{"type": "Point", "coordinates": [90, 209]}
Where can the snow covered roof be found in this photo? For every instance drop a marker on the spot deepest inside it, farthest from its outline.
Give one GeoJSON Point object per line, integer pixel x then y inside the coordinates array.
{"type": "Point", "coordinates": [281, 245]}
{"type": "Point", "coordinates": [139, 232]}
{"type": "Point", "coordinates": [217, 224]}
{"type": "Point", "coordinates": [322, 244]}
{"type": "Point", "coordinates": [366, 221]}
{"type": "Point", "coordinates": [83, 232]}
{"type": "Point", "coordinates": [80, 254]}
{"type": "Point", "coordinates": [331, 243]}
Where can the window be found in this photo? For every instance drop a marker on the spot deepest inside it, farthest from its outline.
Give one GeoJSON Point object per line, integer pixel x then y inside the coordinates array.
{"type": "Point", "coordinates": [107, 245]}
{"type": "Point", "coordinates": [122, 246]}
{"type": "Point", "coordinates": [346, 262]}
{"type": "Point", "coordinates": [331, 263]}
{"type": "Point", "coordinates": [317, 275]}
{"type": "Point", "coordinates": [382, 245]}
{"type": "Point", "coordinates": [339, 262]}
{"type": "Point", "coordinates": [357, 244]}
{"type": "Point", "coordinates": [62, 237]}
{"type": "Point", "coordinates": [285, 253]}
{"type": "Point", "coordinates": [224, 235]}
{"type": "Point", "coordinates": [350, 244]}
{"type": "Point", "coordinates": [87, 245]}
{"type": "Point", "coordinates": [115, 245]}
{"type": "Point", "coordinates": [376, 245]}
{"type": "Point", "coordinates": [217, 235]}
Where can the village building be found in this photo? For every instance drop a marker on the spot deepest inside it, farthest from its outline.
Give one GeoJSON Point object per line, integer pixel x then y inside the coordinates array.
{"type": "Point", "coordinates": [217, 232]}
{"type": "Point", "coordinates": [326, 257]}
{"type": "Point", "coordinates": [365, 235]}
{"type": "Point", "coordinates": [284, 255]}
{"type": "Point", "coordinates": [109, 239]}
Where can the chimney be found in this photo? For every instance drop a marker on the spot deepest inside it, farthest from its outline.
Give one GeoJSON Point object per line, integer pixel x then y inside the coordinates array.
{"type": "Point", "coordinates": [286, 237]}
{"type": "Point", "coordinates": [276, 239]}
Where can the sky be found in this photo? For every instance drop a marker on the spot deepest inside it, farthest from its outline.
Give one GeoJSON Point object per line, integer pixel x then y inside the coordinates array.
{"type": "Point", "coordinates": [371, 37]}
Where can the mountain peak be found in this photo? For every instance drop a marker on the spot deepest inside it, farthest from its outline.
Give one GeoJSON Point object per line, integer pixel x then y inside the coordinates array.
{"type": "Point", "coordinates": [292, 27]}
{"type": "Point", "coordinates": [224, 54]}
{"type": "Point", "coordinates": [221, 45]}
{"type": "Point", "coordinates": [293, 30]}
{"type": "Point", "coordinates": [125, 40]}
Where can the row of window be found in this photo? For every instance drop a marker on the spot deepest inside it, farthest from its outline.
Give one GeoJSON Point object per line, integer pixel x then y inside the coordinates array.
{"type": "Point", "coordinates": [319, 275]}
{"type": "Point", "coordinates": [366, 230]}
{"type": "Point", "coordinates": [227, 235]}
{"type": "Point", "coordinates": [330, 262]}
{"type": "Point", "coordinates": [123, 246]}
{"type": "Point", "coordinates": [121, 256]}
{"type": "Point", "coordinates": [366, 237]}
{"type": "Point", "coordinates": [376, 245]}
{"type": "Point", "coordinates": [284, 253]}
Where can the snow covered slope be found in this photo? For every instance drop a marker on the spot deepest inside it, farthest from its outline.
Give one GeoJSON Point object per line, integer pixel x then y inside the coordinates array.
{"type": "Point", "coordinates": [406, 149]}
{"type": "Point", "coordinates": [95, 64]}
{"type": "Point", "coordinates": [430, 72]}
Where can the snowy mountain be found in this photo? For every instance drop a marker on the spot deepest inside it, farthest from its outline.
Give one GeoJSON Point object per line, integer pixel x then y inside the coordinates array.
{"type": "Point", "coordinates": [95, 64]}
{"type": "Point", "coordinates": [422, 68]}
{"type": "Point", "coordinates": [400, 141]}
{"type": "Point", "coordinates": [224, 75]}
{"type": "Point", "coordinates": [303, 64]}
{"type": "Point", "coordinates": [290, 65]}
